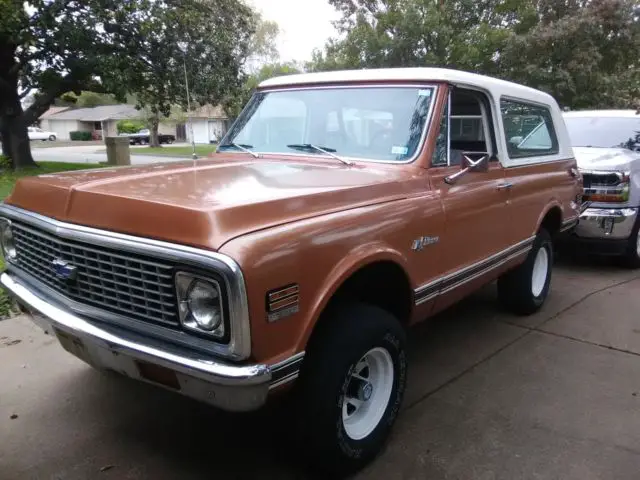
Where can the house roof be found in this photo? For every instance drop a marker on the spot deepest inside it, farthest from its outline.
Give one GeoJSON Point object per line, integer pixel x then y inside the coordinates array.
{"type": "Point", "coordinates": [208, 111]}
{"type": "Point", "coordinates": [98, 114]}
{"type": "Point", "coordinates": [53, 111]}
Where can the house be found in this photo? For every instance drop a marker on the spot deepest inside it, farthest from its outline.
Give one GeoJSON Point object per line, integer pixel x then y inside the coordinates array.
{"type": "Point", "coordinates": [210, 123]}
{"type": "Point", "coordinates": [103, 120]}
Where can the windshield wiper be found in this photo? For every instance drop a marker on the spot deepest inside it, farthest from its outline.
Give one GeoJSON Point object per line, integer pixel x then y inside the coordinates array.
{"type": "Point", "coordinates": [326, 150]}
{"type": "Point", "coordinates": [240, 146]}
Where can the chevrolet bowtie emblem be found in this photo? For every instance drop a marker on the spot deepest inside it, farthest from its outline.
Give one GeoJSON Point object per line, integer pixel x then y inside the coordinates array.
{"type": "Point", "coordinates": [64, 270]}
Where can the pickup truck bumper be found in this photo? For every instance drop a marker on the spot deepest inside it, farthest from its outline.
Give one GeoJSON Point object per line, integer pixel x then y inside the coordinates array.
{"type": "Point", "coordinates": [223, 385]}
{"type": "Point", "coordinates": [603, 230]}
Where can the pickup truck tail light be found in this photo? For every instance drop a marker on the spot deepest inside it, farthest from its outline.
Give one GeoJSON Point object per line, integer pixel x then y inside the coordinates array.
{"type": "Point", "coordinates": [606, 186]}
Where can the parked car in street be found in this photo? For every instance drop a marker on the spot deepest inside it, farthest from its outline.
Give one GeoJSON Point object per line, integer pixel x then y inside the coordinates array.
{"type": "Point", "coordinates": [340, 209]}
{"type": "Point", "coordinates": [143, 137]}
{"type": "Point", "coordinates": [36, 133]}
{"type": "Point", "coordinates": [606, 144]}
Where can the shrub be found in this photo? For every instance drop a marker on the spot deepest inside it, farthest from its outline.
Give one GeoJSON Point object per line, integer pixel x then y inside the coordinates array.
{"type": "Point", "coordinates": [130, 126]}
{"type": "Point", "coordinates": [5, 162]}
{"type": "Point", "coordinates": [76, 135]}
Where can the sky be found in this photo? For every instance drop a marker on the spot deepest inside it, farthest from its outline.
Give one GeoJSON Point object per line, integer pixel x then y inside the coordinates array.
{"type": "Point", "coordinates": [304, 25]}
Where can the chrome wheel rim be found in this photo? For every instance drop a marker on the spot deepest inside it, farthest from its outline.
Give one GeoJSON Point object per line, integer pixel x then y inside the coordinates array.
{"type": "Point", "coordinates": [368, 392]}
{"type": "Point", "coordinates": [540, 272]}
{"type": "Point", "coordinates": [638, 244]}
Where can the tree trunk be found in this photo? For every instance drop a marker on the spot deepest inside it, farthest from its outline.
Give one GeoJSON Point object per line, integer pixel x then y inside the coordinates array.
{"type": "Point", "coordinates": [15, 139]}
{"type": "Point", "coordinates": [153, 137]}
{"type": "Point", "coordinates": [6, 139]}
{"type": "Point", "coordinates": [19, 144]}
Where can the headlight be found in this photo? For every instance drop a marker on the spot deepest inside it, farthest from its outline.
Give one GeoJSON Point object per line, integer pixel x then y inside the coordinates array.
{"type": "Point", "coordinates": [200, 304]}
{"type": "Point", "coordinates": [6, 240]}
{"type": "Point", "coordinates": [606, 186]}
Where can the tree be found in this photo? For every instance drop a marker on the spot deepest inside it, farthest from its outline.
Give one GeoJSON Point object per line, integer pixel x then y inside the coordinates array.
{"type": "Point", "coordinates": [51, 47]}
{"type": "Point", "coordinates": [55, 46]}
{"type": "Point", "coordinates": [235, 103]}
{"type": "Point", "coordinates": [464, 34]}
{"type": "Point", "coordinates": [584, 52]}
{"type": "Point", "coordinates": [263, 48]}
{"type": "Point", "coordinates": [203, 40]}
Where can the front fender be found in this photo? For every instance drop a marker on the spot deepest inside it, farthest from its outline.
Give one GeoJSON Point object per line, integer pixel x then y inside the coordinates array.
{"type": "Point", "coordinates": [317, 254]}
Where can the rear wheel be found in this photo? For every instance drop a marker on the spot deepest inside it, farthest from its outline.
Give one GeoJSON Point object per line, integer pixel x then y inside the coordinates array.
{"type": "Point", "coordinates": [52, 138]}
{"type": "Point", "coordinates": [524, 289]}
{"type": "Point", "coordinates": [351, 387]}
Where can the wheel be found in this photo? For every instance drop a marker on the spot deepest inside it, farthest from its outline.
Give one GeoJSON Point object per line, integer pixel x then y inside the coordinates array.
{"type": "Point", "coordinates": [631, 257]}
{"type": "Point", "coordinates": [143, 141]}
{"type": "Point", "coordinates": [524, 289]}
{"type": "Point", "coordinates": [169, 141]}
{"type": "Point", "coordinates": [52, 138]}
{"type": "Point", "coordinates": [350, 388]}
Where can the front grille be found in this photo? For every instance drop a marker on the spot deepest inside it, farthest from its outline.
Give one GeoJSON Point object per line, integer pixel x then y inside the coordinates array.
{"type": "Point", "coordinates": [125, 283]}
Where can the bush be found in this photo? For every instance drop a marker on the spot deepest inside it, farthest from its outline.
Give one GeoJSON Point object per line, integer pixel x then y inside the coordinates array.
{"type": "Point", "coordinates": [5, 162]}
{"type": "Point", "coordinates": [84, 136]}
{"type": "Point", "coordinates": [130, 126]}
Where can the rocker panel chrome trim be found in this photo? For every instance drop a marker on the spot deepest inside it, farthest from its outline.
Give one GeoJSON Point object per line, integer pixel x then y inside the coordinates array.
{"type": "Point", "coordinates": [460, 277]}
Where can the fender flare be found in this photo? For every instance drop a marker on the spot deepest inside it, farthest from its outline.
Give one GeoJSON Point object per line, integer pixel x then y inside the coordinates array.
{"type": "Point", "coordinates": [356, 259]}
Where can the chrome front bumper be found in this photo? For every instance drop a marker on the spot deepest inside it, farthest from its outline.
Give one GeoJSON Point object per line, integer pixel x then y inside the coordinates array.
{"type": "Point", "coordinates": [226, 386]}
{"type": "Point", "coordinates": [606, 223]}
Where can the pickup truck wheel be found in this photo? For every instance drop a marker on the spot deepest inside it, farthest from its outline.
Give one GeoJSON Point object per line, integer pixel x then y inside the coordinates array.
{"type": "Point", "coordinates": [632, 255]}
{"type": "Point", "coordinates": [351, 387]}
{"type": "Point", "coordinates": [524, 289]}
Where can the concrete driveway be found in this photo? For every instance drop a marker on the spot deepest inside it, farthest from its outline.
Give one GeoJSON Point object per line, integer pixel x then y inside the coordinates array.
{"type": "Point", "coordinates": [491, 396]}
{"type": "Point", "coordinates": [93, 154]}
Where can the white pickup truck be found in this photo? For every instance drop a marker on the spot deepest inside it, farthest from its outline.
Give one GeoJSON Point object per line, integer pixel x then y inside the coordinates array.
{"type": "Point", "coordinates": [606, 144]}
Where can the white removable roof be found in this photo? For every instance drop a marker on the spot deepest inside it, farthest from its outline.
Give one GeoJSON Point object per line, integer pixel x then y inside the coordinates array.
{"type": "Point", "coordinates": [496, 89]}
{"type": "Point", "coordinates": [602, 113]}
{"type": "Point", "coordinates": [495, 86]}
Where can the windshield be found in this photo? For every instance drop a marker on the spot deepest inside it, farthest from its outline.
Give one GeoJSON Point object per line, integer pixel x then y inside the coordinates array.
{"type": "Point", "coordinates": [371, 123]}
{"type": "Point", "coordinates": [604, 132]}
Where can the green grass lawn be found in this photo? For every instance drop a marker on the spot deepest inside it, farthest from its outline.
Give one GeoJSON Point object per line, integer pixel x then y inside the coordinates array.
{"type": "Point", "coordinates": [202, 150]}
{"type": "Point", "coordinates": [7, 180]}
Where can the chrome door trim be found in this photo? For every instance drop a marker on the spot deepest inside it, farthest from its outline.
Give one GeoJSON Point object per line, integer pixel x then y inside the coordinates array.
{"type": "Point", "coordinates": [460, 277]}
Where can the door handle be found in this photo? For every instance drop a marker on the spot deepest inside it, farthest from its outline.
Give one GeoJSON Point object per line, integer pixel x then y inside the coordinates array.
{"type": "Point", "coordinates": [504, 186]}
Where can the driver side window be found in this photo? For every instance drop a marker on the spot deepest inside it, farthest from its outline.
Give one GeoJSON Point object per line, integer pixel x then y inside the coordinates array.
{"type": "Point", "coordinates": [466, 129]}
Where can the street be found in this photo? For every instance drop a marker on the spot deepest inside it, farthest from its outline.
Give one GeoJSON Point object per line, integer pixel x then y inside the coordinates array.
{"type": "Point", "coordinates": [491, 396]}
{"type": "Point", "coordinates": [93, 154]}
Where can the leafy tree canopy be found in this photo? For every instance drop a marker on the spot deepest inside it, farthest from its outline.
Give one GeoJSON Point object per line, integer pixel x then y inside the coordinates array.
{"type": "Point", "coordinates": [584, 52]}
{"type": "Point", "coordinates": [138, 46]}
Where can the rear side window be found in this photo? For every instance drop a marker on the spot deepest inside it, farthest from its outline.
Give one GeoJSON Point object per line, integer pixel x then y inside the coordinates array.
{"type": "Point", "coordinates": [528, 129]}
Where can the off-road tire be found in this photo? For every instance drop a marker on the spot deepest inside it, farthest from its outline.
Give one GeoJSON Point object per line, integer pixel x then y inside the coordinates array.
{"type": "Point", "coordinates": [515, 288]}
{"type": "Point", "coordinates": [345, 336]}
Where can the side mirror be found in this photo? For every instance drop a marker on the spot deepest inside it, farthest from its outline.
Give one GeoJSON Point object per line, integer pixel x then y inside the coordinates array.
{"type": "Point", "coordinates": [516, 140]}
{"type": "Point", "coordinates": [468, 165]}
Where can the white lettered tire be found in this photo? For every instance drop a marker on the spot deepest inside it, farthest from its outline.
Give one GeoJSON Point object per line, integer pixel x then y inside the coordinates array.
{"type": "Point", "coordinates": [524, 289]}
{"type": "Point", "coordinates": [351, 387]}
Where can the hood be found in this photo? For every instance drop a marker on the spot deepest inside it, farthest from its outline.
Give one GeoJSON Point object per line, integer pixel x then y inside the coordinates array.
{"type": "Point", "coordinates": [208, 203]}
{"type": "Point", "coordinates": [590, 158]}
